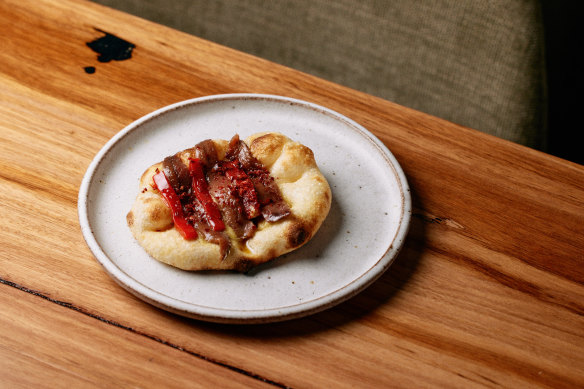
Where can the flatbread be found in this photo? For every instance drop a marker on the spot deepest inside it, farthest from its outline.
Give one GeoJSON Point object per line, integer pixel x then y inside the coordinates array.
{"type": "Point", "coordinates": [302, 186]}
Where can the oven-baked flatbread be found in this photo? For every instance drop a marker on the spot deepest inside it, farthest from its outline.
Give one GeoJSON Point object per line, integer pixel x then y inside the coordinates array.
{"type": "Point", "coordinates": [302, 186]}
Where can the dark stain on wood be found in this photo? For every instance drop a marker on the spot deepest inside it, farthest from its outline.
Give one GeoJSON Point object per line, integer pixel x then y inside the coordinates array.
{"type": "Point", "coordinates": [110, 48]}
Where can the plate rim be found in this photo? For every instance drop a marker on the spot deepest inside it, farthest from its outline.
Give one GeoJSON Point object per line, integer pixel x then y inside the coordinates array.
{"type": "Point", "coordinates": [252, 316]}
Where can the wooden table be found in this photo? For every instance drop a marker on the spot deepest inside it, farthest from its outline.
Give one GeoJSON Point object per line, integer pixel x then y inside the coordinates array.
{"type": "Point", "coordinates": [488, 290]}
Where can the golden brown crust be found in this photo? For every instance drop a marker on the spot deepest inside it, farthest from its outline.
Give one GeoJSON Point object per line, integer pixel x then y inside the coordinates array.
{"type": "Point", "coordinates": [302, 185]}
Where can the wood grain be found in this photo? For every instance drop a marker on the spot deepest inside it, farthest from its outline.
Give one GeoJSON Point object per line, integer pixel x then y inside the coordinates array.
{"type": "Point", "coordinates": [488, 291]}
{"type": "Point", "coordinates": [42, 341]}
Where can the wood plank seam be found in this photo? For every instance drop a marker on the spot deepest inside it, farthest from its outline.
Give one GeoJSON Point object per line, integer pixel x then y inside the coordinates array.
{"type": "Point", "coordinates": [152, 337]}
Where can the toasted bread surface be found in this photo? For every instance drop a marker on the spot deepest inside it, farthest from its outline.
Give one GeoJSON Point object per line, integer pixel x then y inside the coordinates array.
{"type": "Point", "coordinates": [303, 187]}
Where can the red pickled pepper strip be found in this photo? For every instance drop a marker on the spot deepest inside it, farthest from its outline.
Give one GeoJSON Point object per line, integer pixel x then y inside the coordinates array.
{"type": "Point", "coordinates": [201, 191]}
{"type": "Point", "coordinates": [173, 202]}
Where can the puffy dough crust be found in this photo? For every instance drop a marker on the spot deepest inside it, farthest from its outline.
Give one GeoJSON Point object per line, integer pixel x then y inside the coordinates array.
{"type": "Point", "coordinates": [301, 183]}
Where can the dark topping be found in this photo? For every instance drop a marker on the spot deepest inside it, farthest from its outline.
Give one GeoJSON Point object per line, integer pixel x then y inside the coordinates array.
{"type": "Point", "coordinates": [196, 211]}
{"type": "Point", "coordinates": [177, 173]}
{"type": "Point", "coordinates": [230, 204]}
{"type": "Point", "coordinates": [244, 188]}
{"type": "Point", "coordinates": [206, 152]}
{"type": "Point", "coordinates": [275, 211]}
{"type": "Point", "coordinates": [237, 191]}
{"type": "Point", "coordinates": [238, 150]}
{"type": "Point", "coordinates": [273, 207]}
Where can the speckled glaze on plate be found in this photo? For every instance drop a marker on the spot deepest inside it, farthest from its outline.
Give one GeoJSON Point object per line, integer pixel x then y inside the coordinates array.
{"type": "Point", "coordinates": [358, 241]}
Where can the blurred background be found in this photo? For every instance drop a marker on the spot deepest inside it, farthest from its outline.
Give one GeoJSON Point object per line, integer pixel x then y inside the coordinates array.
{"type": "Point", "coordinates": [510, 68]}
{"type": "Point", "coordinates": [563, 38]}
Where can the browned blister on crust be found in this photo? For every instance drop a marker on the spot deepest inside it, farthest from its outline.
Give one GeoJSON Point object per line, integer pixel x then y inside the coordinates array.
{"type": "Point", "coordinates": [303, 188]}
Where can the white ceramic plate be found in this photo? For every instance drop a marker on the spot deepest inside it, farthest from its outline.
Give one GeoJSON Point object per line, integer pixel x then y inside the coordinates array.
{"type": "Point", "coordinates": [358, 241]}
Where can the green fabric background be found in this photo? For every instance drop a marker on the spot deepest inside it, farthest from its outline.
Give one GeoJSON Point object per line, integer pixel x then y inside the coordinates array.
{"type": "Point", "coordinates": [476, 63]}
